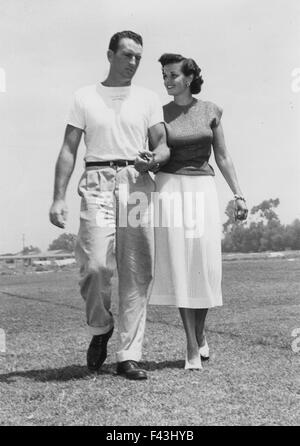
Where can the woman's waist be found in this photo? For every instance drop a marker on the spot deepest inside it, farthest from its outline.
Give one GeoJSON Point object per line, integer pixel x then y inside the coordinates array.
{"type": "Point", "coordinates": [188, 167]}
{"type": "Point", "coordinates": [189, 152]}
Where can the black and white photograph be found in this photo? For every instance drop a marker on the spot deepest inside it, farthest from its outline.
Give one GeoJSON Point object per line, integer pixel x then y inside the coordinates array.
{"type": "Point", "coordinates": [150, 215]}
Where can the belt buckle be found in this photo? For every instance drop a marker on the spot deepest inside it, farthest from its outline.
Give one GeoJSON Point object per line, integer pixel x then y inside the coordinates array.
{"type": "Point", "coordinates": [121, 163]}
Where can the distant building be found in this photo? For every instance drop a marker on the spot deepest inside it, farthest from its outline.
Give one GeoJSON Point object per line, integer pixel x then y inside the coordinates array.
{"type": "Point", "coordinates": [47, 258]}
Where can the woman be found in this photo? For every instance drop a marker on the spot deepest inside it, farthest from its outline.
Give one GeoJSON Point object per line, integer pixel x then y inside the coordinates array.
{"type": "Point", "coordinates": [188, 253]}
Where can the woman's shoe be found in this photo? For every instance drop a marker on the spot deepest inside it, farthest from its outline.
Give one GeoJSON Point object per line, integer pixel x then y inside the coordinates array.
{"type": "Point", "coordinates": [204, 351]}
{"type": "Point", "coordinates": [195, 364]}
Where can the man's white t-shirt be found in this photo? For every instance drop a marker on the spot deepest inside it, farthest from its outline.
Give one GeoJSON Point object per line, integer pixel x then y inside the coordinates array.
{"type": "Point", "coordinates": [115, 120]}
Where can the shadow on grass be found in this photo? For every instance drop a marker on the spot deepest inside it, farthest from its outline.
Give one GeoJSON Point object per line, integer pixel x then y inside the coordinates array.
{"type": "Point", "coordinates": [45, 375]}
{"type": "Point", "coordinates": [75, 372]}
{"type": "Point", "coordinates": [153, 365]}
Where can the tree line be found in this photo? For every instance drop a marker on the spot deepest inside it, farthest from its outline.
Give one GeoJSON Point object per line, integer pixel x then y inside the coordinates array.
{"type": "Point", "coordinates": [262, 231]}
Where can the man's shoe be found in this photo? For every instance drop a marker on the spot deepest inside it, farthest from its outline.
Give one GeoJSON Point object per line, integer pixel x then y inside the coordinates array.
{"type": "Point", "coordinates": [131, 370]}
{"type": "Point", "coordinates": [97, 351]}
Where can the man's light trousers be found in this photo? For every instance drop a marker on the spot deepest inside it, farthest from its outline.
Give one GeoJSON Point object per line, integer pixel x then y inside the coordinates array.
{"type": "Point", "coordinates": [116, 229]}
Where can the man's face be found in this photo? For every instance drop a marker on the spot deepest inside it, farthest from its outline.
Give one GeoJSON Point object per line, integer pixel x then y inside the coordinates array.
{"type": "Point", "coordinates": [125, 61]}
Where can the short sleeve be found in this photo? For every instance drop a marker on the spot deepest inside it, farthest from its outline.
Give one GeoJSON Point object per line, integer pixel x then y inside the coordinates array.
{"type": "Point", "coordinates": [215, 115]}
{"type": "Point", "coordinates": [76, 116]}
{"type": "Point", "coordinates": [156, 111]}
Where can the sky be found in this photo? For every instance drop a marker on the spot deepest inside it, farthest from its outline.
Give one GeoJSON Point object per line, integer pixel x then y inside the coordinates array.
{"type": "Point", "coordinates": [249, 53]}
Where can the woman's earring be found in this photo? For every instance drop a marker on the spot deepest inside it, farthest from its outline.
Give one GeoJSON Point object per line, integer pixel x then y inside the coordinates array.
{"type": "Point", "coordinates": [188, 84]}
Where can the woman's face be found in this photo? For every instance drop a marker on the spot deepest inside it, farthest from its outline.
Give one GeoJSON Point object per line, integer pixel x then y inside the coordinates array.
{"type": "Point", "coordinates": [175, 81]}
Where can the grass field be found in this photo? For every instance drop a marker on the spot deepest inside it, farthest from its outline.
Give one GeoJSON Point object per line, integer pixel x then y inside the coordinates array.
{"type": "Point", "coordinates": [252, 377]}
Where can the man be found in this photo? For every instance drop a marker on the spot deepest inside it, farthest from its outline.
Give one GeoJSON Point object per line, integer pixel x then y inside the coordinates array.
{"type": "Point", "coordinates": [117, 118]}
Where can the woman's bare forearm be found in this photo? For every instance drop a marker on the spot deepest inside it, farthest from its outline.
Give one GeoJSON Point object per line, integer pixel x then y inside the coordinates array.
{"type": "Point", "coordinates": [160, 150]}
{"type": "Point", "coordinates": [161, 153]}
{"type": "Point", "coordinates": [224, 161]}
{"type": "Point", "coordinates": [227, 169]}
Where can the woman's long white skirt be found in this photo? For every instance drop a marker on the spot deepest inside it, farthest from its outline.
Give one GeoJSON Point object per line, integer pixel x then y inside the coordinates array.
{"type": "Point", "coordinates": [188, 264]}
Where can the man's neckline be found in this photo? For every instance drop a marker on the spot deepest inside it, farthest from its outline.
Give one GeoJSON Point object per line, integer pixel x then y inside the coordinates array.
{"type": "Point", "coordinates": [115, 86]}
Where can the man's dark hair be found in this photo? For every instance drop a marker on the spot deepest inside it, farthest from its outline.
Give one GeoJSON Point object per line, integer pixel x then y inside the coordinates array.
{"type": "Point", "coordinates": [114, 41]}
{"type": "Point", "coordinates": [188, 67]}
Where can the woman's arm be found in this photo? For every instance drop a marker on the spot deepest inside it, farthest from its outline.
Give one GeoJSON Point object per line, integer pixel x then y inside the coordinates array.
{"type": "Point", "coordinates": [224, 161]}
{"type": "Point", "coordinates": [160, 154]}
{"type": "Point", "coordinates": [225, 164]}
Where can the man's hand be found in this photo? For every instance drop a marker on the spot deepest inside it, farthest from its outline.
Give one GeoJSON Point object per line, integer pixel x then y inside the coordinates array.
{"type": "Point", "coordinates": [143, 161]}
{"type": "Point", "coordinates": [58, 213]}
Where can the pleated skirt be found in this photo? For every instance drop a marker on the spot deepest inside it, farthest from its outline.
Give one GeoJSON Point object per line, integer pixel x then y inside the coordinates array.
{"type": "Point", "coordinates": [188, 263]}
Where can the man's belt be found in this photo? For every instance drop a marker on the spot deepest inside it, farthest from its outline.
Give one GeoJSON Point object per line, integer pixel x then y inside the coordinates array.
{"type": "Point", "coordinates": [119, 163]}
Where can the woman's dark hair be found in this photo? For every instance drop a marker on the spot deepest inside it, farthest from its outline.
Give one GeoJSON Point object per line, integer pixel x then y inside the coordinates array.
{"type": "Point", "coordinates": [188, 67]}
{"type": "Point", "coordinates": [114, 41]}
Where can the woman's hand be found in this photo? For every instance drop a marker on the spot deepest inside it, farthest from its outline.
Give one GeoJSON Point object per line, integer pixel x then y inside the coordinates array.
{"type": "Point", "coordinates": [241, 210]}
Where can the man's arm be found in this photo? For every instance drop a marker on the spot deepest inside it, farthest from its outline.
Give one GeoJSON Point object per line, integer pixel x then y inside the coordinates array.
{"type": "Point", "coordinates": [160, 153]}
{"type": "Point", "coordinates": [63, 170]}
